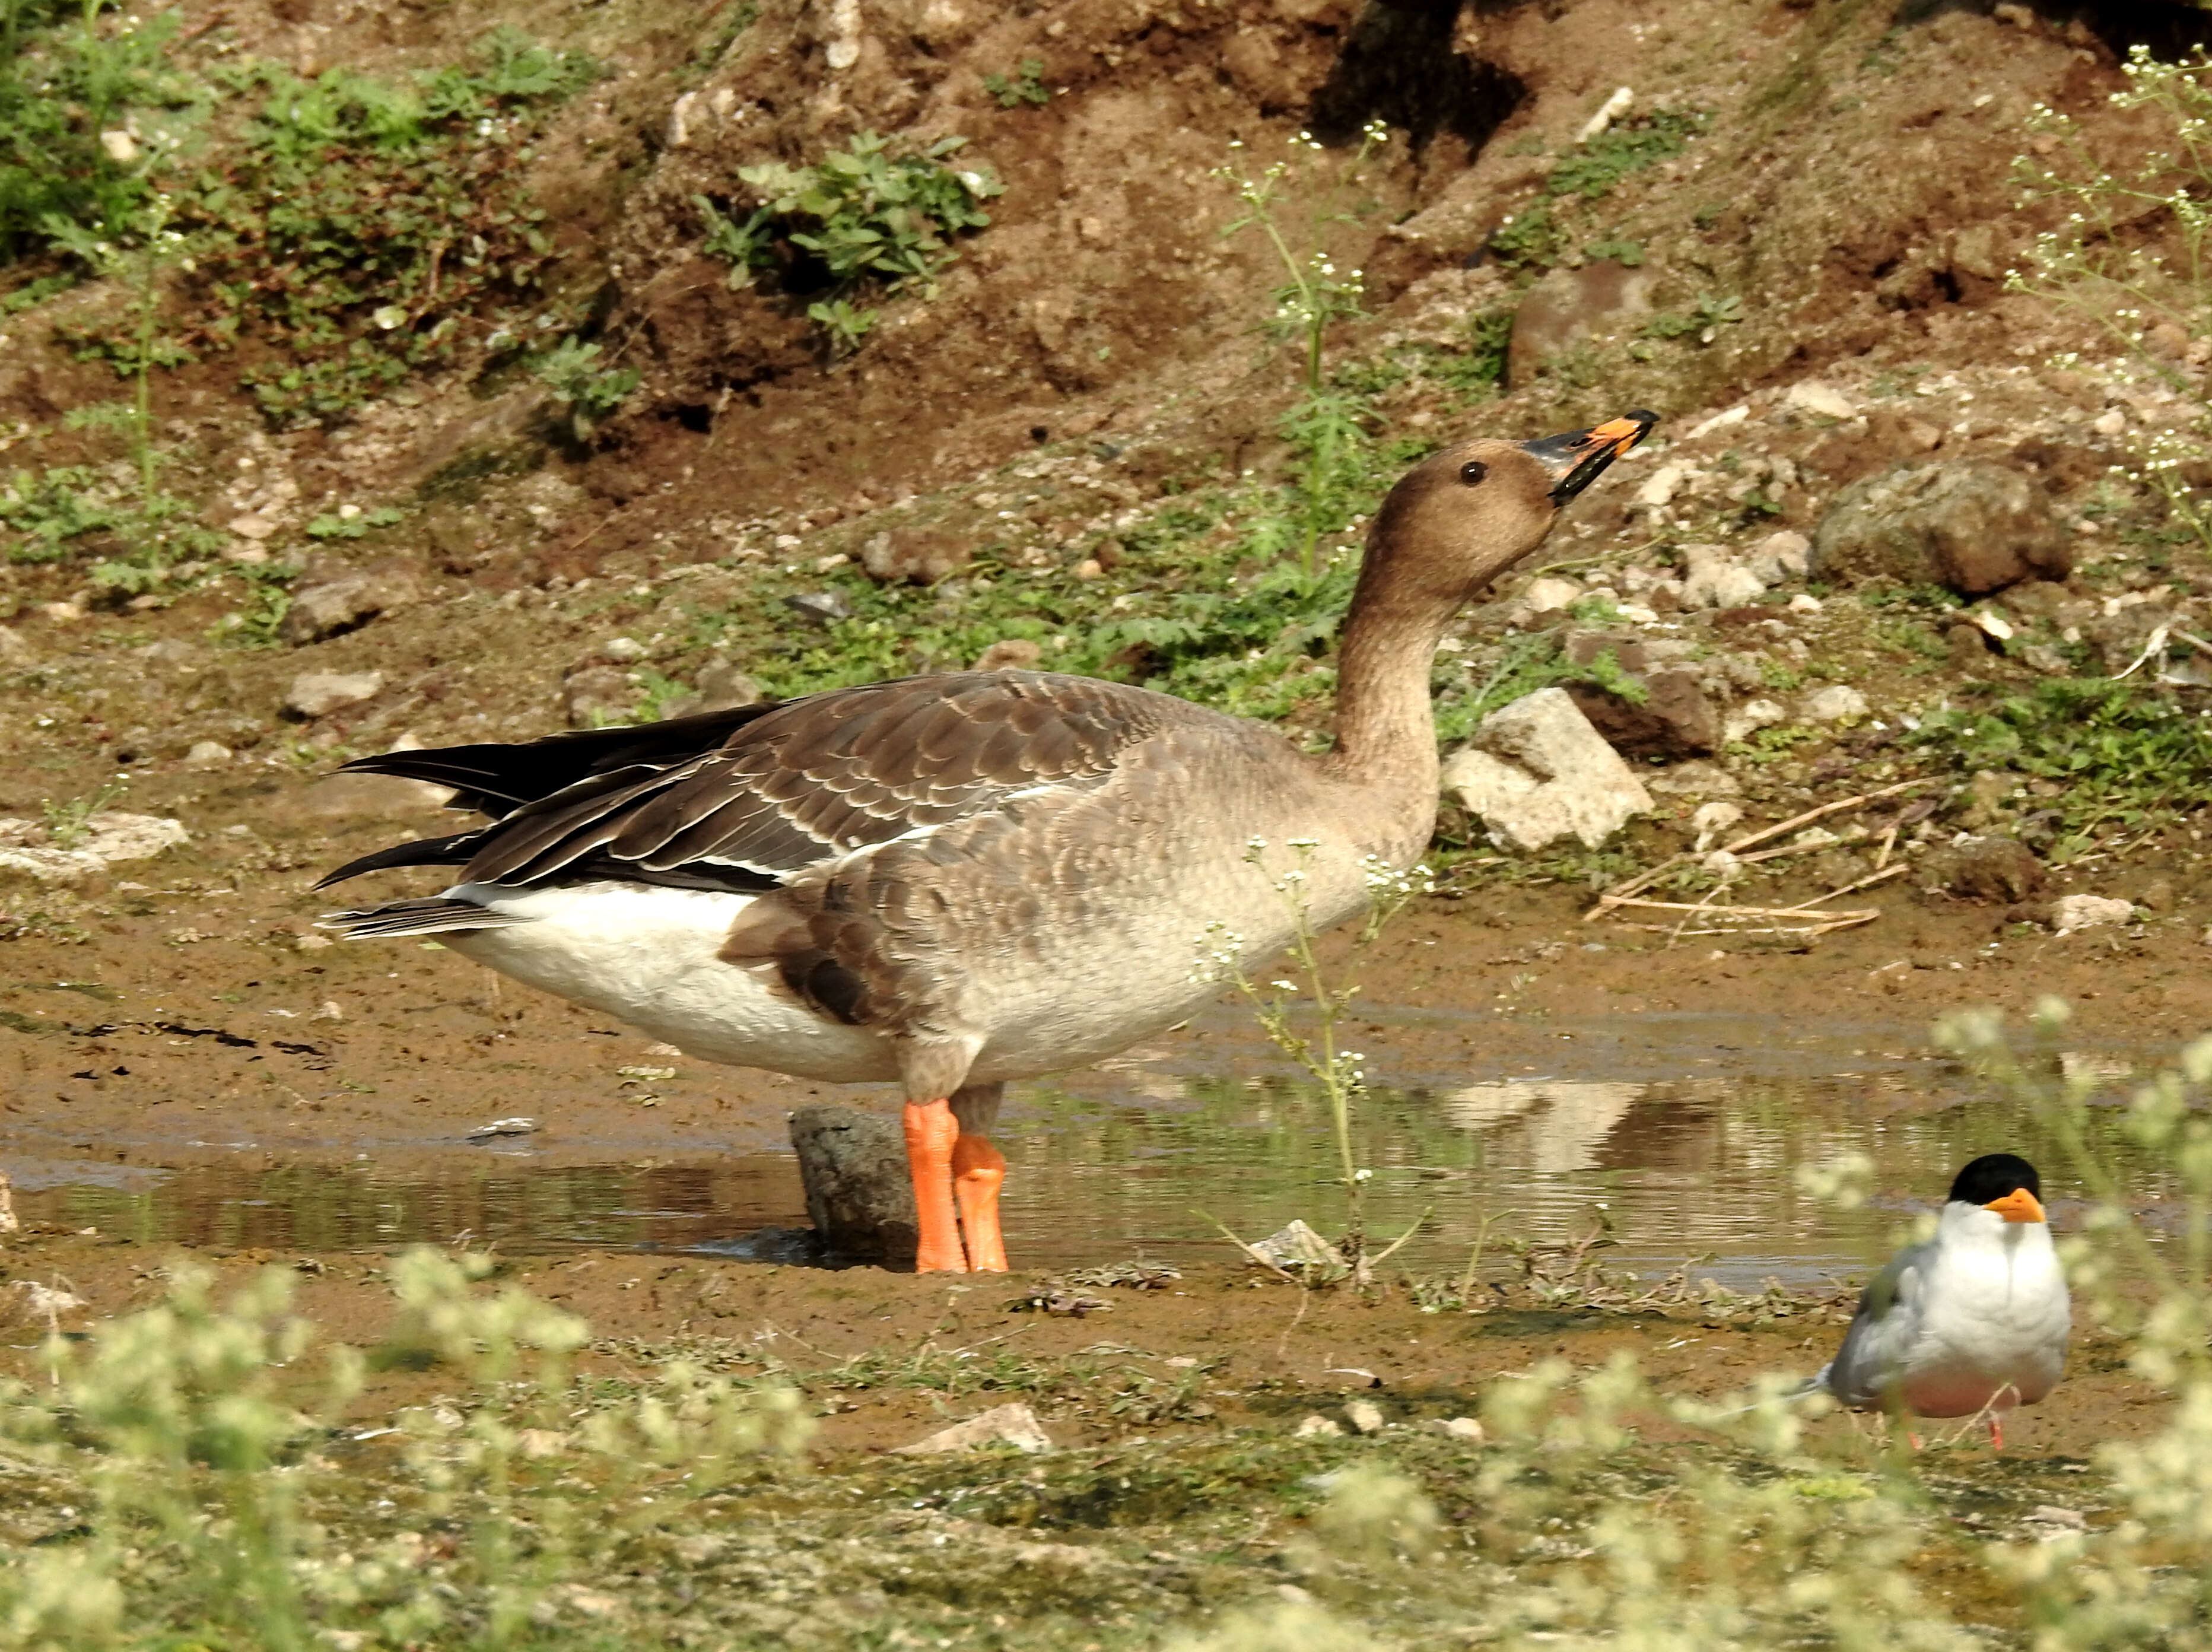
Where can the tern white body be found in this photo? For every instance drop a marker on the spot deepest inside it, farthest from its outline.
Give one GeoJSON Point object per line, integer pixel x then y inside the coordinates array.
{"type": "Point", "coordinates": [1976, 1318]}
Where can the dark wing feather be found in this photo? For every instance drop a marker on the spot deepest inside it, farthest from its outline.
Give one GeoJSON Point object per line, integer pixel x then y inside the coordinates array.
{"type": "Point", "coordinates": [495, 779]}
{"type": "Point", "coordinates": [742, 799]}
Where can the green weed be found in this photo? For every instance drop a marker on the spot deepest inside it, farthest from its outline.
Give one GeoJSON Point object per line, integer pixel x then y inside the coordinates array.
{"type": "Point", "coordinates": [1703, 320]}
{"type": "Point", "coordinates": [2122, 755]}
{"type": "Point", "coordinates": [1594, 169]}
{"type": "Point", "coordinates": [1026, 85]}
{"type": "Point", "coordinates": [68, 822]}
{"type": "Point", "coordinates": [352, 523]}
{"type": "Point", "coordinates": [87, 109]}
{"type": "Point", "coordinates": [862, 217]}
{"type": "Point", "coordinates": [571, 371]}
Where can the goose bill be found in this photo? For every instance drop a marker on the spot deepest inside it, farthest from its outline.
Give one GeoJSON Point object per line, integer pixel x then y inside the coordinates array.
{"type": "Point", "coordinates": [1576, 458]}
{"type": "Point", "coordinates": [2018, 1206]}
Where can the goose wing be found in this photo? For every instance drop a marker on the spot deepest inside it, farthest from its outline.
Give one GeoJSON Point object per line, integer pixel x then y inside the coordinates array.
{"type": "Point", "coordinates": [750, 797]}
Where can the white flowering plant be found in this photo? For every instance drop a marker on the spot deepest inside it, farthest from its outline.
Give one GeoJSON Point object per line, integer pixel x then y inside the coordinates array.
{"type": "Point", "coordinates": [2131, 257]}
{"type": "Point", "coordinates": [1303, 1012]}
{"type": "Point", "coordinates": [1313, 295]}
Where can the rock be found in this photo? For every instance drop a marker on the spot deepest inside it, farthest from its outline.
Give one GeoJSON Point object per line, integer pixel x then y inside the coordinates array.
{"type": "Point", "coordinates": [1675, 719]}
{"type": "Point", "coordinates": [208, 753]}
{"type": "Point", "coordinates": [318, 694]}
{"type": "Point", "coordinates": [1750, 718]}
{"type": "Point", "coordinates": [622, 651]}
{"type": "Point", "coordinates": [1837, 704]}
{"type": "Point", "coordinates": [1296, 1246]}
{"type": "Point", "coordinates": [1780, 555]}
{"type": "Point", "coordinates": [1009, 654]}
{"type": "Point", "coordinates": [28, 846]}
{"type": "Point", "coordinates": [1968, 524]}
{"type": "Point", "coordinates": [1548, 596]}
{"type": "Point", "coordinates": [251, 525]}
{"type": "Point", "coordinates": [2000, 869]}
{"type": "Point", "coordinates": [859, 1195]}
{"type": "Point", "coordinates": [1823, 401]}
{"type": "Point", "coordinates": [822, 608]}
{"type": "Point", "coordinates": [1658, 488]}
{"type": "Point", "coordinates": [328, 601]}
{"type": "Point", "coordinates": [1365, 1416]}
{"type": "Point", "coordinates": [1014, 1425]}
{"type": "Point", "coordinates": [923, 556]}
{"type": "Point", "coordinates": [1536, 771]}
{"type": "Point", "coordinates": [1315, 1426]}
{"type": "Point", "coordinates": [1694, 779]}
{"type": "Point", "coordinates": [593, 696]}
{"type": "Point", "coordinates": [1567, 306]}
{"type": "Point", "coordinates": [2071, 912]}
{"type": "Point", "coordinates": [720, 686]}
{"type": "Point", "coordinates": [339, 796]}
{"type": "Point", "coordinates": [1459, 1428]}
{"type": "Point", "coordinates": [1712, 580]}
{"type": "Point", "coordinates": [1711, 820]}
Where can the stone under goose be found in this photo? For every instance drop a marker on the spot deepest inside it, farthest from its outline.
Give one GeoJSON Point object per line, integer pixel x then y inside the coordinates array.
{"type": "Point", "coordinates": [1971, 1322]}
{"type": "Point", "coordinates": [953, 881]}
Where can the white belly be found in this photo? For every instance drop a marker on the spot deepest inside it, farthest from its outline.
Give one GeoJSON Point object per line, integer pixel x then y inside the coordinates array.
{"type": "Point", "coordinates": [649, 956]}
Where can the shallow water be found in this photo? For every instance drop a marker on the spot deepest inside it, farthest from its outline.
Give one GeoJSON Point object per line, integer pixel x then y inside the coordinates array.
{"type": "Point", "coordinates": [1682, 1134]}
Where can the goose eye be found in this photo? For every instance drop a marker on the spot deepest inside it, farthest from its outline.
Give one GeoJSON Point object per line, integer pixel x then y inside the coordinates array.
{"type": "Point", "coordinates": [1473, 471]}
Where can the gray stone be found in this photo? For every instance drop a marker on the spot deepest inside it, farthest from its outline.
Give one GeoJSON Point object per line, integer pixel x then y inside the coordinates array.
{"type": "Point", "coordinates": [859, 1194]}
{"type": "Point", "coordinates": [1968, 524]}
{"type": "Point", "coordinates": [1711, 579]}
{"type": "Point", "coordinates": [718, 686]}
{"type": "Point", "coordinates": [208, 753]}
{"type": "Point", "coordinates": [1837, 704]}
{"type": "Point", "coordinates": [27, 846]}
{"type": "Point", "coordinates": [1568, 306]}
{"type": "Point", "coordinates": [593, 696]}
{"type": "Point", "coordinates": [2071, 912]}
{"type": "Point", "coordinates": [1014, 1426]}
{"type": "Point", "coordinates": [1536, 771]}
{"type": "Point", "coordinates": [318, 694]}
{"type": "Point", "coordinates": [339, 796]}
{"type": "Point", "coordinates": [1750, 718]}
{"type": "Point", "coordinates": [328, 601]}
{"type": "Point", "coordinates": [1780, 555]}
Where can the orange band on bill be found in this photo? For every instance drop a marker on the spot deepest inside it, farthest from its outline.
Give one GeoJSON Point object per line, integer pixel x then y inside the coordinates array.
{"type": "Point", "coordinates": [1620, 435]}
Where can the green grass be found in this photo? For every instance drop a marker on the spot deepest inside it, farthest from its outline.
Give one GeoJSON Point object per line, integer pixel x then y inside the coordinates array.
{"type": "Point", "coordinates": [2120, 754]}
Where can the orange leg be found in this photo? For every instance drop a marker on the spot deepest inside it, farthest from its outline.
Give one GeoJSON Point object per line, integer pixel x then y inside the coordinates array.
{"type": "Point", "coordinates": [931, 1131]}
{"type": "Point", "coordinates": [978, 1171]}
{"type": "Point", "coordinates": [1997, 1431]}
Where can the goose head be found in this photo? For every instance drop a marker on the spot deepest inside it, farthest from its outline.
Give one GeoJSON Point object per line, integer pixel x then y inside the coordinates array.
{"type": "Point", "coordinates": [1464, 515]}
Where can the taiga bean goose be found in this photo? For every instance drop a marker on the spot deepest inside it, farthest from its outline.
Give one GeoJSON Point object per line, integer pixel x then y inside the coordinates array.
{"type": "Point", "coordinates": [953, 881]}
{"type": "Point", "coordinates": [1971, 1321]}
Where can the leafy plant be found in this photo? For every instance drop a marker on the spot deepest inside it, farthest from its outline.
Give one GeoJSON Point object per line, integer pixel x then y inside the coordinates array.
{"type": "Point", "coordinates": [1592, 169]}
{"type": "Point", "coordinates": [85, 112]}
{"type": "Point", "coordinates": [357, 228]}
{"type": "Point", "coordinates": [2120, 753]}
{"type": "Point", "coordinates": [1619, 251]}
{"type": "Point", "coordinates": [1705, 318]}
{"type": "Point", "coordinates": [571, 372]}
{"type": "Point", "coordinates": [863, 215]}
{"type": "Point", "coordinates": [1026, 85]}
{"type": "Point", "coordinates": [337, 525]}
{"type": "Point", "coordinates": [842, 325]}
